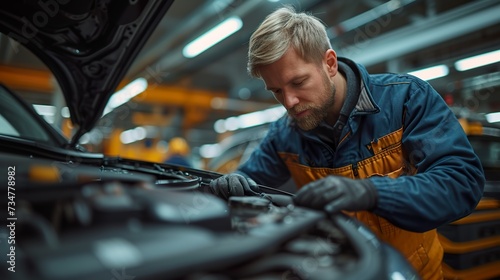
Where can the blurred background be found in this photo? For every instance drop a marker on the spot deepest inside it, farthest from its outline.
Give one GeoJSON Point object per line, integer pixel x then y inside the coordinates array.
{"type": "Point", "coordinates": [206, 97]}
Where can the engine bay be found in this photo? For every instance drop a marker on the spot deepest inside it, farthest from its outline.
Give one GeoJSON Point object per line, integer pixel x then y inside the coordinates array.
{"type": "Point", "coordinates": [154, 221]}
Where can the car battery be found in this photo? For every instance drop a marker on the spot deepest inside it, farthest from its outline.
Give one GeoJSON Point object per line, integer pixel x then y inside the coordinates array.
{"type": "Point", "coordinates": [472, 244]}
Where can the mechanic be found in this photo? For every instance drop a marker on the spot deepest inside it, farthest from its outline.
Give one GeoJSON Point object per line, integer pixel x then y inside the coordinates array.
{"type": "Point", "coordinates": [178, 152]}
{"type": "Point", "coordinates": [384, 148]}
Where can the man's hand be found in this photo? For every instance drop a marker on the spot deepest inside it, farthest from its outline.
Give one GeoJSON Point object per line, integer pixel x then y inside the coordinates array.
{"type": "Point", "coordinates": [233, 185]}
{"type": "Point", "coordinates": [335, 193]}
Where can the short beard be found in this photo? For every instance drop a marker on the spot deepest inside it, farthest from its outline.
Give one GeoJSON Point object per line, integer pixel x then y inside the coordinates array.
{"type": "Point", "coordinates": [316, 113]}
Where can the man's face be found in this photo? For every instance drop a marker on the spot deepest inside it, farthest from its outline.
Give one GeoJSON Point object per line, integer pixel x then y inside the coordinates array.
{"type": "Point", "coordinates": [304, 88]}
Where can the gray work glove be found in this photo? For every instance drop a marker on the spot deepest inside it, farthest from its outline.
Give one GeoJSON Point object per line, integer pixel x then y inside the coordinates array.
{"type": "Point", "coordinates": [233, 185]}
{"type": "Point", "coordinates": [335, 193]}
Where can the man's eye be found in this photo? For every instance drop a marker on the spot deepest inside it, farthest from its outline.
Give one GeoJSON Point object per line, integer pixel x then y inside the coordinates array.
{"type": "Point", "coordinates": [298, 83]}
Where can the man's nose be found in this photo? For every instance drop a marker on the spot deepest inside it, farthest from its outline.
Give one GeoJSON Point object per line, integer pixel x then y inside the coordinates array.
{"type": "Point", "coordinates": [290, 99]}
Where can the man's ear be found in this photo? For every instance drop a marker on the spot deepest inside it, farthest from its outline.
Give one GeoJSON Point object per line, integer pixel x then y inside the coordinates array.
{"type": "Point", "coordinates": [331, 62]}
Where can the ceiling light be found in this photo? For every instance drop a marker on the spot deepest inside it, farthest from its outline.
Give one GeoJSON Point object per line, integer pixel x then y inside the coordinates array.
{"type": "Point", "coordinates": [128, 92]}
{"type": "Point", "coordinates": [133, 135]}
{"type": "Point", "coordinates": [65, 112]}
{"type": "Point", "coordinates": [249, 120]}
{"type": "Point", "coordinates": [493, 117]}
{"type": "Point", "coordinates": [44, 110]}
{"type": "Point", "coordinates": [478, 60]}
{"type": "Point", "coordinates": [212, 37]}
{"type": "Point", "coordinates": [210, 150]}
{"type": "Point", "coordinates": [430, 73]}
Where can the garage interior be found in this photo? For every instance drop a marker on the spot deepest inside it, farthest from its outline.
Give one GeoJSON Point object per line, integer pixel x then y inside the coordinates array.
{"type": "Point", "coordinates": [209, 99]}
{"type": "Point", "coordinates": [193, 97]}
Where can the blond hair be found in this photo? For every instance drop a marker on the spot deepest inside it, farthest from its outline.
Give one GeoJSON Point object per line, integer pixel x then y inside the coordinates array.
{"type": "Point", "coordinates": [282, 29]}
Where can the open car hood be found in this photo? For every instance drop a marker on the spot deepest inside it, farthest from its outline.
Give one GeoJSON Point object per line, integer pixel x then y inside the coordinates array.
{"type": "Point", "coordinates": [87, 45]}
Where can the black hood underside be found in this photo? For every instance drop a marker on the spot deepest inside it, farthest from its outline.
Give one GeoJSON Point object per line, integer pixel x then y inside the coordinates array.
{"type": "Point", "coordinates": [87, 45]}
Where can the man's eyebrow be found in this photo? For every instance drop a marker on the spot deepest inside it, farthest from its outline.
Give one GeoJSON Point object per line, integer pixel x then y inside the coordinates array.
{"type": "Point", "coordinates": [298, 77]}
{"type": "Point", "coordinates": [291, 80]}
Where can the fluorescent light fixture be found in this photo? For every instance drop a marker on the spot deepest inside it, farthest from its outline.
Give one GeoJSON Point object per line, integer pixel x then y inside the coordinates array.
{"type": "Point", "coordinates": [65, 112]}
{"type": "Point", "coordinates": [478, 60]}
{"type": "Point", "coordinates": [133, 135]}
{"type": "Point", "coordinates": [44, 110]}
{"type": "Point", "coordinates": [493, 117]}
{"type": "Point", "coordinates": [210, 150]}
{"type": "Point", "coordinates": [430, 73]}
{"type": "Point", "coordinates": [249, 120]}
{"type": "Point", "coordinates": [212, 37]}
{"type": "Point", "coordinates": [128, 92]}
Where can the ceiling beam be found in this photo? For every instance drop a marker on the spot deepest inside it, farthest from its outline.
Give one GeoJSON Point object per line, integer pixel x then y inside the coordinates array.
{"type": "Point", "coordinates": [178, 96]}
{"type": "Point", "coordinates": [42, 81]}
{"type": "Point", "coordinates": [26, 79]}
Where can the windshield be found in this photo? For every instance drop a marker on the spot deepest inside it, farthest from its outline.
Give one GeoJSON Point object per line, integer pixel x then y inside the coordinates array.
{"type": "Point", "coordinates": [17, 121]}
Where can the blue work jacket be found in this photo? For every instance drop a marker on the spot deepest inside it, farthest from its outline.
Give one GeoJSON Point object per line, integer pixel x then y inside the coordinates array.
{"type": "Point", "coordinates": [401, 135]}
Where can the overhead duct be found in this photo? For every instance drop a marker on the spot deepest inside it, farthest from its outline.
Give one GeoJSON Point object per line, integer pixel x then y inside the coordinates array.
{"type": "Point", "coordinates": [367, 17]}
{"type": "Point", "coordinates": [449, 25]}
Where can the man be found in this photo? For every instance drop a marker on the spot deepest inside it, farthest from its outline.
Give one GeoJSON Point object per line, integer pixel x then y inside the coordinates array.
{"type": "Point", "coordinates": [178, 152]}
{"type": "Point", "coordinates": [384, 147]}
